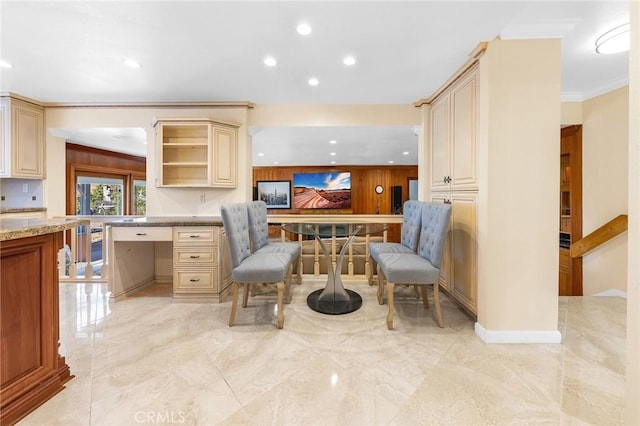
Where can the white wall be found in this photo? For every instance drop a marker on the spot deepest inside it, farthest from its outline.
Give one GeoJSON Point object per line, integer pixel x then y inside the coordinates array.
{"type": "Point", "coordinates": [519, 145]}
{"type": "Point", "coordinates": [160, 201]}
{"type": "Point", "coordinates": [632, 416]}
{"type": "Point", "coordinates": [605, 138]}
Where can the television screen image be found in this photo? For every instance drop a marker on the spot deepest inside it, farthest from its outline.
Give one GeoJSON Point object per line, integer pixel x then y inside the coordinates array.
{"type": "Point", "coordinates": [322, 190]}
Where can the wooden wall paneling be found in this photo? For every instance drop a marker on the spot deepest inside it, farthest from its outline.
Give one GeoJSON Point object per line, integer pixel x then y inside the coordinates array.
{"type": "Point", "coordinates": [364, 179]}
{"type": "Point", "coordinates": [87, 159]}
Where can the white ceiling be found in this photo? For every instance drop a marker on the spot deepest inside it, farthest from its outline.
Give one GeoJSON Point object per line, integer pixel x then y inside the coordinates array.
{"type": "Point", "coordinates": [72, 51]}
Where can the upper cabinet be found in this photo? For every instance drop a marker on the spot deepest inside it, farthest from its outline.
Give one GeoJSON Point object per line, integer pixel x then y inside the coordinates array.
{"type": "Point", "coordinates": [22, 139]}
{"type": "Point", "coordinates": [196, 153]}
{"type": "Point", "coordinates": [454, 132]}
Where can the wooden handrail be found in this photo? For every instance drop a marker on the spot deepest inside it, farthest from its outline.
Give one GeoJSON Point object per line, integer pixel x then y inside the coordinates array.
{"type": "Point", "coordinates": [600, 236]}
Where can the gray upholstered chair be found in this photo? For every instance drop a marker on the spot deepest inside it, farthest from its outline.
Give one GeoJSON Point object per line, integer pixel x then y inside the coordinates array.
{"type": "Point", "coordinates": [411, 220]}
{"type": "Point", "coordinates": [253, 268]}
{"type": "Point", "coordinates": [259, 234]}
{"type": "Point", "coordinates": [420, 269]}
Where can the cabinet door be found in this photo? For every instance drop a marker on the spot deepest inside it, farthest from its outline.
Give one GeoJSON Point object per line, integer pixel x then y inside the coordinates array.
{"type": "Point", "coordinates": [440, 153]}
{"type": "Point", "coordinates": [446, 265]}
{"type": "Point", "coordinates": [5, 140]}
{"type": "Point", "coordinates": [464, 133]}
{"type": "Point", "coordinates": [464, 250]}
{"type": "Point", "coordinates": [28, 140]}
{"type": "Point", "coordinates": [225, 157]}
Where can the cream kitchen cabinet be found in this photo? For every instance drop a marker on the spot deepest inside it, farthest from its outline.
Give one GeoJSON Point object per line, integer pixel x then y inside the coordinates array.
{"type": "Point", "coordinates": [200, 269]}
{"type": "Point", "coordinates": [22, 134]}
{"type": "Point", "coordinates": [458, 273]}
{"type": "Point", "coordinates": [191, 252]}
{"type": "Point", "coordinates": [196, 152]}
{"type": "Point", "coordinates": [453, 135]}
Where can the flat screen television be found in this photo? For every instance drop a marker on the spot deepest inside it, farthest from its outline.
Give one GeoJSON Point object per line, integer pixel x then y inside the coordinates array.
{"type": "Point", "coordinates": [327, 190]}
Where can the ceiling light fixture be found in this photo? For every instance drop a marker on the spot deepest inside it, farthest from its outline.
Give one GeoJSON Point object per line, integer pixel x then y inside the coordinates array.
{"type": "Point", "coordinates": [390, 161]}
{"type": "Point", "coordinates": [270, 61]}
{"type": "Point", "coordinates": [5, 64]}
{"type": "Point", "coordinates": [303, 29]}
{"type": "Point", "coordinates": [614, 41]}
{"type": "Point", "coordinates": [260, 154]}
{"type": "Point", "coordinates": [405, 153]}
{"type": "Point", "coordinates": [332, 153]}
{"type": "Point", "coordinates": [333, 142]}
{"type": "Point", "coordinates": [131, 63]}
{"type": "Point", "coordinates": [333, 162]}
{"type": "Point", "coordinates": [349, 61]}
{"type": "Point", "coordinates": [313, 81]}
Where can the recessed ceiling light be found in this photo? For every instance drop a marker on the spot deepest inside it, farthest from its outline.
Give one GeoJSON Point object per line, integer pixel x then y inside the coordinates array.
{"type": "Point", "coordinates": [261, 154]}
{"type": "Point", "coordinates": [614, 41]}
{"type": "Point", "coordinates": [270, 61]}
{"type": "Point", "coordinates": [275, 162]}
{"type": "Point", "coordinates": [333, 142]}
{"type": "Point", "coordinates": [390, 161]}
{"type": "Point", "coordinates": [313, 81]}
{"type": "Point", "coordinates": [405, 153]}
{"type": "Point", "coordinates": [5, 64]}
{"type": "Point", "coordinates": [304, 29]}
{"type": "Point", "coordinates": [333, 162]}
{"type": "Point", "coordinates": [349, 61]}
{"type": "Point", "coordinates": [131, 63]}
{"type": "Point", "coordinates": [332, 153]}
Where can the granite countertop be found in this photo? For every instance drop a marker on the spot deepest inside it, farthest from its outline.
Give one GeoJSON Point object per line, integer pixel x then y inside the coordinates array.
{"type": "Point", "coordinates": [13, 229]}
{"type": "Point", "coordinates": [23, 210]}
{"type": "Point", "coordinates": [168, 221]}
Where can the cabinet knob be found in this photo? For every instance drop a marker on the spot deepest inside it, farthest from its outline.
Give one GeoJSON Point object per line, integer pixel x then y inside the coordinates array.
{"type": "Point", "coordinates": [194, 236]}
{"type": "Point", "coordinates": [194, 257]}
{"type": "Point", "coordinates": [194, 280]}
{"type": "Point", "coordinates": [140, 234]}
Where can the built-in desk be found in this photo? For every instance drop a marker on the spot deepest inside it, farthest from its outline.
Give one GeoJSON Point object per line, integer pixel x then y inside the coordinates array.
{"type": "Point", "coordinates": [190, 252]}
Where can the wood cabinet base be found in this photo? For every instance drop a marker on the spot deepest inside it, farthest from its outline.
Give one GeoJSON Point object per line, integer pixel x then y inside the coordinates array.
{"type": "Point", "coordinates": [31, 371]}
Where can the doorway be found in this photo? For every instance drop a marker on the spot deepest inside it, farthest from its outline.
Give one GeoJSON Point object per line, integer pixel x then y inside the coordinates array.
{"type": "Point", "coordinates": [570, 269]}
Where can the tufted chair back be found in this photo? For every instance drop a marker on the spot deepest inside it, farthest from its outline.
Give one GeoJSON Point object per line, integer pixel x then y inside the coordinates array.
{"type": "Point", "coordinates": [258, 227]}
{"type": "Point", "coordinates": [235, 220]}
{"type": "Point", "coordinates": [433, 231]}
{"type": "Point", "coordinates": [412, 218]}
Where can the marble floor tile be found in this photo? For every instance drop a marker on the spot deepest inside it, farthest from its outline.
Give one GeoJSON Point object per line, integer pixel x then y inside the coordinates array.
{"type": "Point", "coordinates": [148, 359]}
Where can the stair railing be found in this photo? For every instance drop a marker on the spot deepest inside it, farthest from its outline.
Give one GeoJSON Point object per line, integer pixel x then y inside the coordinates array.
{"type": "Point", "coordinates": [606, 232]}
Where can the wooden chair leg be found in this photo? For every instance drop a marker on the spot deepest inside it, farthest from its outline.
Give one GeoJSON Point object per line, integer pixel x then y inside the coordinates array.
{"type": "Point", "coordinates": [299, 261]}
{"type": "Point", "coordinates": [287, 296]}
{"type": "Point", "coordinates": [381, 278]}
{"type": "Point", "coordinates": [425, 296]}
{"type": "Point", "coordinates": [436, 302]}
{"type": "Point", "coordinates": [245, 296]}
{"type": "Point", "coordinates": [280, 304]}
{"type": "Point", "coordinates": [234, 303]}
{"type": "Point", "coordinates": [369, 262]}
{"type": "Point", "coordinates": [415, 287]}
{"type": "Point", "coordinates": [390, 303]}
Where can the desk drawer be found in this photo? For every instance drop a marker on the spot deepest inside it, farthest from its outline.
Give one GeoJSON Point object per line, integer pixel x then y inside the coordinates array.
{"type": "Point", "coordinates": [193, 235]}
{"type": "Point", "coordinates": [185, 280]}
{"type": "Point", "coordinates": [142, 233]}
{"type": "Point", "coordinates": [183, 256]}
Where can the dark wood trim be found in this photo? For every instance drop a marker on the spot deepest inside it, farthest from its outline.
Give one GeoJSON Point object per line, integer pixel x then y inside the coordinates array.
{"type": "Point", "coordinates": [88, 161]}
{"type": "Point", "coordinates": [571, 143]}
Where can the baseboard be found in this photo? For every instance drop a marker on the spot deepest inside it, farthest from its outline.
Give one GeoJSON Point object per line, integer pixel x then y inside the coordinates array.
{"type": "Point", "coordinates": [612, 293]}
{"type": "Point", "coordinates": [518, 336]}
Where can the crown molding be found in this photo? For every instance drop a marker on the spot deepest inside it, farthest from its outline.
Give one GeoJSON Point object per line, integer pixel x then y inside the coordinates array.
{"type": "Point", "coordinates": [172, 105]}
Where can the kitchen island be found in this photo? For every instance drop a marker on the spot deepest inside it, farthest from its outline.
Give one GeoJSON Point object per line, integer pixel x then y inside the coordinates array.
{"type": "Point", "coordinates": [32, 370]}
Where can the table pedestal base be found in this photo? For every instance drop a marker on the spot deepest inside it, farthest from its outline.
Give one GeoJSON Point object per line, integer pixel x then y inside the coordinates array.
{"type": "Point", "coordinates": [334, 307]}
